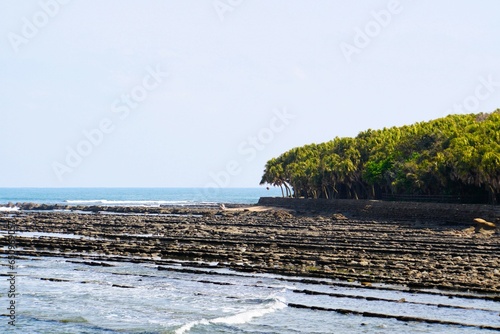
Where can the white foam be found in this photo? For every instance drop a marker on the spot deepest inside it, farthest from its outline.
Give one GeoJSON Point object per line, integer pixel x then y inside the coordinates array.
{"type": "Point", "coordinates": [8, 209]}
{"type": "Point", "coordinates": [135, 203]}
{"type": "Point", "coordinates": [112, 202]}
{"type": "Point", "coordinates": [48, 234]}
{"type": "Point", "coordinates": [187, 327]}
{"type": "Point", "coordinates": [237, 319]}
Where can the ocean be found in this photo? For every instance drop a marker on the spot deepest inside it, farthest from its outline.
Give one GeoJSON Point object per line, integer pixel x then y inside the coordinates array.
{"type": "Point", "coordinates": [136, 196]}
{"type": "Point", "coordinates": [67, 295]}
{"type": "Point", "coordinates": [57, 295]}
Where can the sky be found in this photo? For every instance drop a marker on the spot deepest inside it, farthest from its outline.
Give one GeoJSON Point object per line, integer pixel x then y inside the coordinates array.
{"type": "Point", "coordinates": [185, 93]}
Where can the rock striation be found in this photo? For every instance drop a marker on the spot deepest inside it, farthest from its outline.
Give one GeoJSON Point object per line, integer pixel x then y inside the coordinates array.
{"type": "Point", "coordinates": [417, 254]}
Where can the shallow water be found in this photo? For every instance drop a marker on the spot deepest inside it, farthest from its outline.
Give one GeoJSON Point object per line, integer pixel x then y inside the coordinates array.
{"type": "Point", "coordinates": [138, 298]}
{"type": "Point", "coordinates": [47, 235]}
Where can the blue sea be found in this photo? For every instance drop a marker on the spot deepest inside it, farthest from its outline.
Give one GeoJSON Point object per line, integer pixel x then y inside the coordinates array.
{"type": "Point", "coordinates": [57, 296]}
{"type": "Point", "coordinates": [136, 196]}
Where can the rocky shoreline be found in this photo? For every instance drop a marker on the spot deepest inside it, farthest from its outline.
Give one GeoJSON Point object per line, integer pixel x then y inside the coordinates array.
{"type": "Point", "coordinates": [409, 254]}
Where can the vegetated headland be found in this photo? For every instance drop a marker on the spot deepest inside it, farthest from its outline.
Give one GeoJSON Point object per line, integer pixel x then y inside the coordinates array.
{"type": "Point", "coordinates": [451, 159]}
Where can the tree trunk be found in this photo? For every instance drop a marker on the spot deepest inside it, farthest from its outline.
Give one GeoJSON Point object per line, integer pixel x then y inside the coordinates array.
{"type": "Point", "coordinates": [355, 193]}
{"type": "Point", "coordinates": [325, 190]}
{"type": "Point", "coordinates": [492, 195]}
{"type": "Point", "coordinates": [288, 191]}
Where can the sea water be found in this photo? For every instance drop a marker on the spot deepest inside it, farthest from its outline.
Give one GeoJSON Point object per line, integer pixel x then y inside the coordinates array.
{"type": "Point", "coordinates": [136, 196]}
{"type": "Point", "coordinates": [139, 298]}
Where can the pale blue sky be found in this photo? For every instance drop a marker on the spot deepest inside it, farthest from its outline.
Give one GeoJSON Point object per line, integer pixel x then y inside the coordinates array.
{"type": "Point", "coordinates": [65, 67]}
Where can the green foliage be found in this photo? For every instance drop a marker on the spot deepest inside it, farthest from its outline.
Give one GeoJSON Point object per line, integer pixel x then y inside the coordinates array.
{"type": "Point", "coordinates": [458, 155]}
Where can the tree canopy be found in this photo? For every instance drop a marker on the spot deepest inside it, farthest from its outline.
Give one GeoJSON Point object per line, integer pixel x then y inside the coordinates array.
{"type": "Point", "coordinates": [456, 156]}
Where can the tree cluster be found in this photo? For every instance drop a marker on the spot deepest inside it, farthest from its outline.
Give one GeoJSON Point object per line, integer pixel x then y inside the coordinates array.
{"type": "Point", "coordinates": [458, 155]}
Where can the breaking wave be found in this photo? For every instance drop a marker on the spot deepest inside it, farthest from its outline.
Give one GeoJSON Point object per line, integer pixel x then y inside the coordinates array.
{"type": "Point", "coordinates": [149, 203]}
{"type": "Point", "coordinates": [8, 209]}
{"type": "Point", "coordinates": [239, 318]}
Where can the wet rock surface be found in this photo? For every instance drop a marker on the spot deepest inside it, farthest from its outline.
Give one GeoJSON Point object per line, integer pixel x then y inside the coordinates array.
{"type": "Point", "coordinates": [415, 254]}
